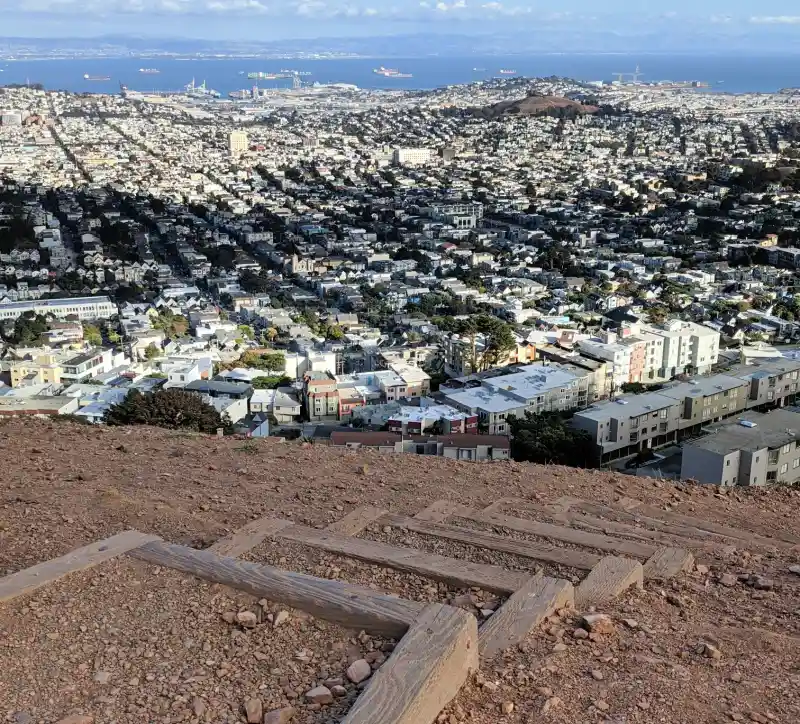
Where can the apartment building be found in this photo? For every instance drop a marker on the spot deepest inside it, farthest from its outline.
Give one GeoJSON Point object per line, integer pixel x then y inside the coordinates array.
{"type": "Point", "coordinates": [761, 449]}
{"type": "Point", "coordinates": [320, 396]}
{"type": "Point", "coordinates": [532, 388]}
{"type": "Point", "coordinates": [43, 368]}
{"type": "Point", "coordinates": [83, 308]}
{"type": "Point", "coordinates": [628, 425]}
{"type": "Point", "coordinates": [89, 364]}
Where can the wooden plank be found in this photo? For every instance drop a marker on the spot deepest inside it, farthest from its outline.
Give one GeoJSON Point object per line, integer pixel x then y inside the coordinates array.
{"type": "Point", "coordinates": [424, 673]}
{"type": "Point", "coordinates": [607, 580]}
{"type": "Point", "coordinates": [248, 537]}
{"type": "Point", "coordinates": [527, 608]}
{"type": "Point", "coordinates": [356, 520]}
{"type": "Point", "coordinates": [440, 511]}
{"type": "Point", "coordinates": [668, 562]}
{"type": "Point", "coordinates": [450, 570]}
{"type": "Point", "coordinates": [567, 535]}
{"type": "Point", "coordinates": [91, 555]}
{"type": "Point", "coordinates": [353, 607]}
{"type": "Point", "coordinates": [501, 503]}
{"type": "Point", "coordinates": [524, 549]}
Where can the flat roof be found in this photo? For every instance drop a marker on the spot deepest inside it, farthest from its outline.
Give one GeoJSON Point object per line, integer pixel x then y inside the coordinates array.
{"type": "Point", "coordinates": [771, 430]}
{"type": "Point", "coordinates": [67, 301]}
{"type": "Point", "coordinates": [531, 381]}
{"type": "Point", "coordinates": [628, 406]}
{"type": "Point", "coordinates": [485, 399]}
{"type": "Point", "coordinates": [703, 387]}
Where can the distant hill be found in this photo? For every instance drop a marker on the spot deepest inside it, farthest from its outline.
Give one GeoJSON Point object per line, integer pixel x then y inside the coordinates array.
{"type": "Point", "coordinates": [536, 106]}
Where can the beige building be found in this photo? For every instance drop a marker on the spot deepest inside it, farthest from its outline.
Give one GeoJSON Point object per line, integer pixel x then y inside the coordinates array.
{"type": "Point", "coordinates": [44, 368]}
{"type": "Point", "coordinates": [237, 142]}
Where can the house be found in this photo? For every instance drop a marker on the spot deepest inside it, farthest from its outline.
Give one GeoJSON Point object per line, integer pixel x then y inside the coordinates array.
{"type": "Point", "coordinates": [476, 448]}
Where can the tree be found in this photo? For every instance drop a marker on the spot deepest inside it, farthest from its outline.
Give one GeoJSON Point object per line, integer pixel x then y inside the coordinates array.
{"type": "Point", "coordinates": [152, 351]}
{"type": "Point", "coordinates": [28, 328]}
{"type": "Point", "coordinates": [173, 325]}
{"type": "Point", "coordinates": [173, 409]}
{"type": "Point", "coordinates": [270, 382]}
{"type": "Point", "coordinates": [92, 335]}
{"type": "Point", "coordinates": [548, 439]}
{"type": "Point", "coordinates": [333, 331]}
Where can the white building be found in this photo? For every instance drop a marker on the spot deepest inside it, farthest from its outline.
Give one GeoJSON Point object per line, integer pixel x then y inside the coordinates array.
{"type": "Point", "coordinates": [84, 308]}
{"type": "Point", "coordinates": [412, 156]}
{"type": "Point", "coordinates": [237, 142]}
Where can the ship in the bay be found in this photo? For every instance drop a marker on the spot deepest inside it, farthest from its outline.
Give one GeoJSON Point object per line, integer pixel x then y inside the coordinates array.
{"type": "Point", "coordinates": [149, 71]}
{"type": "Point", "coordinates": [200, 91]}
{"type": "Point", "coordinates": [391, 73]}
{"type": "Point", "coordinates": [263, 76]}
{"type": "Point", "coordinates": [86, 76]}
{"type": "Point", "coordinates": [505, 71]}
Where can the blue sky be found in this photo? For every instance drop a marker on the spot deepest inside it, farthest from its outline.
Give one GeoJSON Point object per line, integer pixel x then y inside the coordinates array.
{"type": "Point", "coordinates": [270, 19]}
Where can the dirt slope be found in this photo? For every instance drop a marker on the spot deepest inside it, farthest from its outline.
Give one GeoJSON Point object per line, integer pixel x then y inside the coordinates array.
{"type": "Point", "coordinates": [122, 644]}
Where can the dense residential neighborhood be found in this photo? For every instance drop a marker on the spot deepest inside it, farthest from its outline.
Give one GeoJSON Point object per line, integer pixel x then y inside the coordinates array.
{"type": "Point", "coordinates": [414, 273]}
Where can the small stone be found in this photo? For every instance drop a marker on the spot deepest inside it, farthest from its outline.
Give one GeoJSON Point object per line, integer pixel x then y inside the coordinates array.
{"type": "Point", "coordinates": [728, 580]}
{"type": "Point", "coordinates": [597, 623]}
{"type": "Point", "coordinates": [702, 570]}
{"type": "Point", "coordinates": [544, 691]}
{"type": "Point", "coordinates": [320, 695]}
{"type": "Point", "coordinates": [601, 705]}
{"type": "Point", "coordinates": [559, 648]}
{"type": "Point", "coordinates": [247, 619]}
{"type": "Point", "coordinates": [675, 600]}
{"type": "Point", "coordinates": [102, 677]}
{"type": "Point", "coordinates": [758, 718]}
{"type": "Point", "coordinates": [358, 671]}
{"type": "Point", "coordinates": [552, 703]}
{"type": "Point", "coordinates": [490, 686]}
{"type": "Point", "coordinates": [630, 622]}
{"type": "Point", "coordinates": [22, 717]}
{"type": "Point", "coordinates": [580, 633]}
{"type": "Point", "coordinates": [338, 691]}
{"type": "Point", "coordinates": [76, 719]}
{"type": "Point", "coordinates": [254, 710]}
{"type": "Point", "coordinates": [760, 583]}
{"type": "Point", "coordinates": [643, 704]}
{"type": "Point", "coordinates": [597, 675]}
{"type": "Point", "coordinates": [736, 677]}
{"type": "Point", "coordinates": [507, 707]}
{"type": "Point", "coordinates": [708, 650]}
{"type": "Point", "coordinates": [280, 617]}
{"type": "Point", "coordinates": [280, 716]}
{"type": "Point", "coordinates": [198, 706]}
{"type": "Point", "coordinates": [795, 570]}
{"type": "Point", "coordinates": [336, 681]}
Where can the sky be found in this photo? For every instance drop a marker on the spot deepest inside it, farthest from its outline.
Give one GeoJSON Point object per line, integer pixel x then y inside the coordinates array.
{"type": "Point", "coordinates": [285, 19]}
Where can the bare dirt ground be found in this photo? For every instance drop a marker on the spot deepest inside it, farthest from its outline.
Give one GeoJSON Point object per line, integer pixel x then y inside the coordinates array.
{"type": "Point", "coordinates": [126, 642]}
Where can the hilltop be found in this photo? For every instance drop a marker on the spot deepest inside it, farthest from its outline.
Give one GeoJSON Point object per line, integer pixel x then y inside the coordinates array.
{"type": "Point", "coordinates": [121, 643]}
{"type": "Point", "coordinates": [536, 105]}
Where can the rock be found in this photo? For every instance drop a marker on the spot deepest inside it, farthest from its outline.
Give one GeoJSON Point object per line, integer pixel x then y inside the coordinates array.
{"type": "Point", "coordinates": [580, 633]}
{"type": "Point", "coordinates": [559, 648]}
{"type": "Point", "coordinates": [338, 691]}
{"type": "Point", "coordinates": [490, 686]}
{"type": "Point", "coordinates": [760, 583]}
{"type": "Point", "coordinates": [702, 570]}
{"type": "Point", "coordinates": [708, 650]}
{"type": "Point", "coordinates": [601, 705]}
{"type": "Point", "coordinates": [758, 718]}
{"type": "Point", "coordinates": [544, 691]}
{"type": "Point", "coordinates": [280, 618]}
{"type": "Point", "coordinates": [102, 677]}
{"type": "Point", "coordinates": [728, 580]}
{"type": "Point", "coordinates": [552, 703]}
{"type": "Point", "coordinates": [359, 670]}
{"type": "Point", "coordinates": [643, 704]}
{"type": "Point", "coordinates": [22, 717]}
{"type": "Point", "coordinates": [630, 622]}
{"type": "Point", "coordinates": [336, 681]}
{"type": "Point", "coordinates": [198, 706]}
{"type": "Point", "coordinates": [507, 707]}
{"type": "Point", "coordinates": [597, 623]}
{"type": "Point", "coordinates": [280, 716]}
{"type": "Point", "coordinates": [76, 719]}
{"type": "Point", "coordinates": [320, 695]}
{"type": "Point", "coordinates": [254, 711]}
{"type": "Point", "coordinates": [246, 619]}
{"type": "Point", "coordinates": [675, 600]}
{"type": "Point", "coordinates": [736, 677]}
{"type": "Point", "coordinates": [795, 570]}
{"type": "Point", "coordinates": [597, 675]}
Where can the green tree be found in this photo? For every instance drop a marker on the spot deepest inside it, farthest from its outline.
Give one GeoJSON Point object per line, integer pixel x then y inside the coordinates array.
{"type": "Point", "coordinates": [152, 351]}
{"type": "Point", "coordinates": [548, 439]}
{"type": "Point", "coordinates": [92, 335]}
{"type": "Point", "coordinates": [28, 328]}
{"type": "Point", "coordinates": [173, 409]}
{"type": "Point", "coordinates": [334, 331]}
{"type": "Point", "coordinates": [270, 382]}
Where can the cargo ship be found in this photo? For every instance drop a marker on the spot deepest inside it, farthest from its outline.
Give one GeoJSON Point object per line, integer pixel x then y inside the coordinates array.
{"type": "Point", "coordinates": [391, 73]}
{"type": "Point", "coordinates": [504, 71]}
{"type": "Point", "coordinates": [149, 71]}
{"type": "Point", "coordinates": [86, 76]}
{"type": "Point", "coordinates": [295, 72]}
{"type": "Point", "coordinates": [263, 76]}
{"type": "Point", "coordinates": [200, 91]}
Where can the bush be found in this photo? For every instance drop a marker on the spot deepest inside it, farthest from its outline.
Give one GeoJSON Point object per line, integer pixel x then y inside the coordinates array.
{"type": "Point", "coordinates": [173, 409]}
{"type": "Point", "coordinates": [548, 439]}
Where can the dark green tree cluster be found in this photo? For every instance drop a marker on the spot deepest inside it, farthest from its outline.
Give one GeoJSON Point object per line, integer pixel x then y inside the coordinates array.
{"type": "Point", "coordinates": [270, 382]}
{"type": "Point", "coordinates": [173, 409]}
{"type": "Point", "coordinates": [547, 438]}
{"type": "Point", "coordinates": [28, 328]}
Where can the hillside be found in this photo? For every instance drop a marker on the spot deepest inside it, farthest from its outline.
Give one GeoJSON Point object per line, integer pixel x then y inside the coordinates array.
{"type": "Point", "coordinates": [130, 642]}
{"type": "Point", "coordinates": [536, 106]}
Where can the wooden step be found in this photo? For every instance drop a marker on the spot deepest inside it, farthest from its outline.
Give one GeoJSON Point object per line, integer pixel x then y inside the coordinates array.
{"type": "Point", "coordinates": [607, 580]}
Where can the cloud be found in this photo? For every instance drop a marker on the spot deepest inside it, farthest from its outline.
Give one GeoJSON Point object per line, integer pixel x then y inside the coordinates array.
{"type": "Point", "coordinates": [775, 19]}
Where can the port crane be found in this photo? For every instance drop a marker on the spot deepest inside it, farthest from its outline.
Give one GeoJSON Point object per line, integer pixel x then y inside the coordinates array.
{"type": "Point", "coordinates": [634, 76]}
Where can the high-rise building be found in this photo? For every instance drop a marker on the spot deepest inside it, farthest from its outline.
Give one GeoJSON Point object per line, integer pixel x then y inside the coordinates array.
{"type": "Point", "coordinates": [237, 142]}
